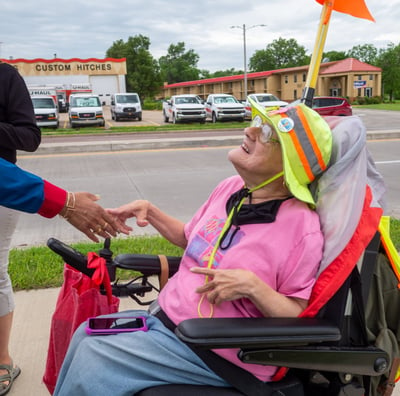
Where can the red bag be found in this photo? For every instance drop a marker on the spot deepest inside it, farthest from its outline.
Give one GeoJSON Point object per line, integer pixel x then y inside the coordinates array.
{"type": "Point", "coordinates": [79, 299]}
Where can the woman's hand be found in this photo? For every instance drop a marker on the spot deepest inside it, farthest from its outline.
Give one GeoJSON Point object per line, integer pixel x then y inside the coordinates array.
{"type": "Point", "coordinates": [225, 285]}
{"type": "Point", "coordinates": [232, 284]}
{"type": "Point", "coordinates": [86, 215]}
{"type": "Point", "coordinates": [146, 213]}
{"type": "Point", "coordinates": [138, 209]}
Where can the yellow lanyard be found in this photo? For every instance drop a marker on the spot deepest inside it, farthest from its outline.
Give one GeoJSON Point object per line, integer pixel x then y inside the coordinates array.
{"type": "Point", "coordinates": [222, 233]}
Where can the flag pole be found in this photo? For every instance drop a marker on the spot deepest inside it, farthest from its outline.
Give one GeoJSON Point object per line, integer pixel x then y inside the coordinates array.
{"type": "Point", "coordinates": [313, 70]}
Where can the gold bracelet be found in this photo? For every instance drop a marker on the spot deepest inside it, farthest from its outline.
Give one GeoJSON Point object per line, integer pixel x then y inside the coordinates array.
{"type": "Point", "coordinates": [69, 205]}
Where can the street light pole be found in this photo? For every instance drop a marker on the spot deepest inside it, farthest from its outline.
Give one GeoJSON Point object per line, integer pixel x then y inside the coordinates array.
{"type": "Point", "coordinates": [245, 54]}
{"type": "Point", "coordinates": [245, 63]}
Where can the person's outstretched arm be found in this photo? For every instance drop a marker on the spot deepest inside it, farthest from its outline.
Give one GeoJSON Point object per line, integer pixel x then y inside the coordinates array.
{"type": "Point", "coordinates": [26, 192]}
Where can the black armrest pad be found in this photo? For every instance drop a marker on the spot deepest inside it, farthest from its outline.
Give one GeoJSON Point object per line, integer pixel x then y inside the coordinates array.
{"type": "Point", "coordinates": [145, 263]}
{"type": "Point", "coordinates": [256, 332]}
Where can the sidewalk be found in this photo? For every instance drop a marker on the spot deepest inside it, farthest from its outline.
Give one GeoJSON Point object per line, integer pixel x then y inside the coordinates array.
{"type": "Point", "coordinates": [30, 337]}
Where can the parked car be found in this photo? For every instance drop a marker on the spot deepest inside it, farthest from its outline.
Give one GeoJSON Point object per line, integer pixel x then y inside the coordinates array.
{"type": "Point", "coordinates": [224, 107]}
{"type": "Point", "coordinates": [126, 106]}
{"type": "Point", "coordinates": [85, 109]}
{"type": "Point", "coordinates": [264, 99]}
{"type": "Point", "coordinates": [184, 108]}
{"type": "Point", "coordinates": [46, 112]}
{"type": "Point", "coordinates": [332, 106]}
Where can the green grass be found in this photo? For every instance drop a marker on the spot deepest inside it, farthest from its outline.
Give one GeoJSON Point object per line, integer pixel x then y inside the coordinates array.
{"type": "Point", "coordinates": [381, 106]}
{"type": "Point", "coordinates": [39, 267]}
{"type": "Point", "coordinates": [145, 128]}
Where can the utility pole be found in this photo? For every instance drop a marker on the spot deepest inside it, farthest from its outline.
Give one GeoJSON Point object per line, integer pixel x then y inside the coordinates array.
{"type": "Point", "coordinates": [243, 27]}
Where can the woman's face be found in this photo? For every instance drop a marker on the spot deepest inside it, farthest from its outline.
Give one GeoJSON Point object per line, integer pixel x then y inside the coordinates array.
{"type": "Point", "coordinates": [257, 159]}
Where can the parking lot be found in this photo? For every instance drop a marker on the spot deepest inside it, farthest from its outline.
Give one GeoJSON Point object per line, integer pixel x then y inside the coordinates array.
{"type": "Point", "coordinates": [374, 120]}
{"type": "Point", "coordinates": [150, 117]}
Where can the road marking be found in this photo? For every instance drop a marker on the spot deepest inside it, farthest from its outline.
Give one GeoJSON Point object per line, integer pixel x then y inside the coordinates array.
{"type": "Point", "coordinates": [92, 153]}
{"type": "Point", "coordinates": [387, 162]}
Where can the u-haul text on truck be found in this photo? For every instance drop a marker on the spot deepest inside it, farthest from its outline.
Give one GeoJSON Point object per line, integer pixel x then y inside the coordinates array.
{"type": "Point", "coordinates": [60, 92]}
{"type": "Point", "coordinates": [78, 88]}
{"type": "Point", "coordinates": [46, 91]}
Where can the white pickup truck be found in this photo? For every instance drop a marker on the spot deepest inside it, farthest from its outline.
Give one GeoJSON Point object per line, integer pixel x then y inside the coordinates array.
{"type": "Point", "coordinates": [180, 108]}
{"type": "Point", "coordinates": [224, 107]}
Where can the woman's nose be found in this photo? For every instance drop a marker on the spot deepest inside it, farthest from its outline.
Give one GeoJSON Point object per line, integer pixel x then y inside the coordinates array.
{"type": "Point", "coordinates": [252, 132]}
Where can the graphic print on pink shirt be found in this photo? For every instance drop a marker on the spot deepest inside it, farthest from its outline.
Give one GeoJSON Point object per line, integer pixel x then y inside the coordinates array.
{"type": "Point", "coordinates": [203, 243]}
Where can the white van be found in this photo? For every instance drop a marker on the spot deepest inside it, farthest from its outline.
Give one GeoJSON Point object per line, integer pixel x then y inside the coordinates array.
{"type": "Point", "coordinates": [126, 105]}
{"type": "Point", "coordinates": [46, 112]}
{"type": "Point", "coordinates": [85, 109]}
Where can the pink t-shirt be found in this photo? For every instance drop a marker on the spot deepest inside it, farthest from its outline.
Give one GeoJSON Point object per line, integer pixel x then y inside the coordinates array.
{"type": "Point", "coordinates": [285, 254]}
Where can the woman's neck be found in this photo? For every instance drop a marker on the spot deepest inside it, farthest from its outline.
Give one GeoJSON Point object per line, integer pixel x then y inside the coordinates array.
{"type": "Point", "coordinates": [275, 190]}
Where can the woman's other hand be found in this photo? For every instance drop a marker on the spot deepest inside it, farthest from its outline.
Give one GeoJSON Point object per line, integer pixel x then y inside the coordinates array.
{"type": "Point", "coordinates": [138, 209]}
{"type": "Point", "coordinates": [82, 211]}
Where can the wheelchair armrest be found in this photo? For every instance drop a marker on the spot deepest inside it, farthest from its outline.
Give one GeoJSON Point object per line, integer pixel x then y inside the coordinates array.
{"type": "Point", "coordinates": [145, 263]}
{"type": "Point", "coordinates": [255, 332]}
{"type": "Point", "coordinates": [287, 342]}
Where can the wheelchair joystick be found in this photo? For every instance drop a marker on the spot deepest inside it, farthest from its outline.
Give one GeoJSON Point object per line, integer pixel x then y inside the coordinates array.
{"type": "Point", "coordinates": [107, 254]}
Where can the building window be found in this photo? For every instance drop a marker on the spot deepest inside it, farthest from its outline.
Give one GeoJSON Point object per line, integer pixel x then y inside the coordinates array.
{"type": "Point", "coordinates": [368, 92]}
{"type": "Point", "coordinates": [359, 77]}
{"type": "Point", "coordinates": [295, 94]}
{"type": "Point", "coordinates": [304, 77]}
{"type": "Point", "coordinates": [295, 78]}
{"type": "Point", "coordinates": [359, 92]}
{"type": "Point", "coordinates": [371, 77]}
{"type": "Point", "coordinates": [286, 79]}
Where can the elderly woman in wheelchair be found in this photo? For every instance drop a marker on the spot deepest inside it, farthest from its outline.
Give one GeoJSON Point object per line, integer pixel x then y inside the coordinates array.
{"type": "Point", "coordinates": [252, 250]}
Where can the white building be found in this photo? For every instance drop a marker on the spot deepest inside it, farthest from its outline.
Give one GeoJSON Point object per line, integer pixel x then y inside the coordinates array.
{"type": "Point", "coordinates": [103, 77]}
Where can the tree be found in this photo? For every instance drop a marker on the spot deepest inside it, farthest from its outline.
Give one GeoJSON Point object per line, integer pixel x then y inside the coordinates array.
{"type": "Point", "coordinates": [143, 73]}
{"type": "Point", "coordinates": [389, 61]}
{"type": "Point", "coordinates": [332, 56]}
{"type": "Point", "coordinates": [280, 54]}
{"type": "Point", "coordinates": [179, 65]}
{"type": "Point", "coordinates": [365, 53]}
{"type": "Point", "coordinates": [228, 72]}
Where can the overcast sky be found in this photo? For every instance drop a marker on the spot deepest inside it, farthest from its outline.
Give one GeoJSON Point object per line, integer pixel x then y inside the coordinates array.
{"type": "Point", "coordinates": [86, 29]}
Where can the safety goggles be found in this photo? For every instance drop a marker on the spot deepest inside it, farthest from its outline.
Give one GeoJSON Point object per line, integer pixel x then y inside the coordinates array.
{"type": "Point", "coordinates": [267, 131]}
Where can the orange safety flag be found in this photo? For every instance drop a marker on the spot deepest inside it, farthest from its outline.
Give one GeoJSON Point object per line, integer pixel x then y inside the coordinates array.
{"type": "Point", "coordinates": [356, 8]}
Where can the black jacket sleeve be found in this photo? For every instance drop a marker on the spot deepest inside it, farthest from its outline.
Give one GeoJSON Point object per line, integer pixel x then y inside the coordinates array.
{"type": "Point", "coordinates": [18, 129]}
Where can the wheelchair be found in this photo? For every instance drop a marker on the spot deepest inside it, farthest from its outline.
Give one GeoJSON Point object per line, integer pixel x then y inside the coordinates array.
{"type": "Point", "coordinates": [326, 354]}
{"type": "Point", "coordinates": [325, 351]}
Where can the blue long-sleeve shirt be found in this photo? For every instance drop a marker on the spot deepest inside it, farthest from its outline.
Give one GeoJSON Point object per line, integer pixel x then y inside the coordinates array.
{"type": "Point", "coordinates": [24, 191]}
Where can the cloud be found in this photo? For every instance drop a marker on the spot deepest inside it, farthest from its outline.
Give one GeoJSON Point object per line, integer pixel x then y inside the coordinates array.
{"type": "Point", "coordinates": [69, 29]}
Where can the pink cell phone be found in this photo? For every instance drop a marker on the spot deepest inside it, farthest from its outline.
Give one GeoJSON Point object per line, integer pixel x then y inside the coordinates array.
{"type": "Point", "coordinates": [115, 325]}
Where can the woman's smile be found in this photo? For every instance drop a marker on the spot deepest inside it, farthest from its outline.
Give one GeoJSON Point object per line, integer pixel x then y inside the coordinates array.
{"type": "Point", "coordinates": [245, 147]}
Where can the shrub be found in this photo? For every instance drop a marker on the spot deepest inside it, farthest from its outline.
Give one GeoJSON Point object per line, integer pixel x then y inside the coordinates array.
{"type": "Point", "coordinates": [150, 104]}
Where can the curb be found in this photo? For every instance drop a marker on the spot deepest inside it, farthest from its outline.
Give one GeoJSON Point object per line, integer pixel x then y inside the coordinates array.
{"type": "Point", "coordinates": [134, 144]}
{"type": "Point", "coordinates": [160, 143]}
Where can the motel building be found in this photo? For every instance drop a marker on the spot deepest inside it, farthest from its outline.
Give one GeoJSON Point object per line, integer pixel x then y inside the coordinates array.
{"type": "Point", "coordinates": [349, 78]}
{"type": "Point", "coordinates": [102, 77]}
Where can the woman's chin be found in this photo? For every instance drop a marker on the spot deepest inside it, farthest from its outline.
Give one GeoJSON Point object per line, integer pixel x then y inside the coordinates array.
{"type": "Point", "coordinates": [236, 154]}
